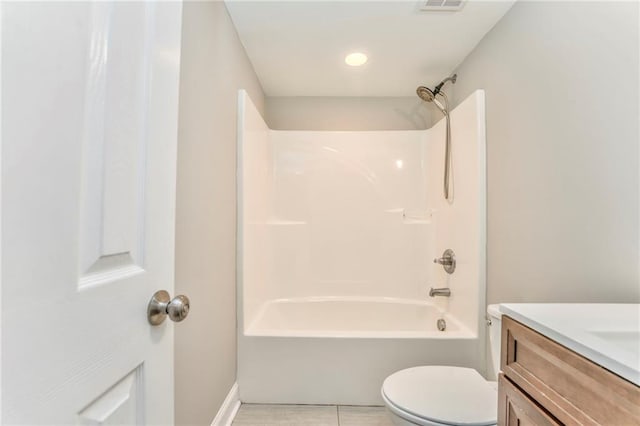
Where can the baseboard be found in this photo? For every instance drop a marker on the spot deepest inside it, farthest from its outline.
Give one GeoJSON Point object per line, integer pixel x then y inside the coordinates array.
{"type": "Point", "coordinates": [228, 409]}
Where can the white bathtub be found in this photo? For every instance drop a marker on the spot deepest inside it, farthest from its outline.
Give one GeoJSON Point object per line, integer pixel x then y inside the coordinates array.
{"type": "Point", "coordinates": [339, 350]}
{"type": "Point", "coordinates": [358, 317]}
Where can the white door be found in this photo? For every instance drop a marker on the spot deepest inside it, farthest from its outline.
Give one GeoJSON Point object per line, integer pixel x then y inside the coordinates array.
{"type": "Point", "coordinates": [89, 130]}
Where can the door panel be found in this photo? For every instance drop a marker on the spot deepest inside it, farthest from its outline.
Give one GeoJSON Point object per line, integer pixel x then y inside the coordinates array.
{"type": "Point", "coordinates": [89, 129]}
{"type": "Point", "coordinates": [120, 405]}
{"type": "Point", "coordinates": [114, 143]}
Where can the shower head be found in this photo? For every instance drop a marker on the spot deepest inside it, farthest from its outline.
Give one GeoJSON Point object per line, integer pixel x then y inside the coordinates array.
{"type": "Point", "coordinates": [425, 94]}
{"type": "Point", "coordinates": [429, 95]}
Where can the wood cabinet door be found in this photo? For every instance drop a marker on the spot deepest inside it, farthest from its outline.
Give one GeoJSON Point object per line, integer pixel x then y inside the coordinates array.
{"type": "Point", "coordinates": [516, 409]}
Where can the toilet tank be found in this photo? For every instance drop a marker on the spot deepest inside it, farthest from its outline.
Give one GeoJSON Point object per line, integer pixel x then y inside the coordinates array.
{"type": "Point", "coordinates": [495, 329]}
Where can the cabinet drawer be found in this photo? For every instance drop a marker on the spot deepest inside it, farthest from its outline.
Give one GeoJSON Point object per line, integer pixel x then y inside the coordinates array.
{"type": "Point", "coordinates": [516, 409]}
{"type": "Point", "coordinates": [572, 388]}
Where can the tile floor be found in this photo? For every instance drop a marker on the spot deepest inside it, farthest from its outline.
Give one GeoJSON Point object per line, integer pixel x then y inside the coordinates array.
{"type": "Point", "coordinates": [310, 415]}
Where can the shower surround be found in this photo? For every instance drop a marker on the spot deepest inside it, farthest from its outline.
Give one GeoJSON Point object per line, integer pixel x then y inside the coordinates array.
{"type": "Point", "coordinates": [337, 235]}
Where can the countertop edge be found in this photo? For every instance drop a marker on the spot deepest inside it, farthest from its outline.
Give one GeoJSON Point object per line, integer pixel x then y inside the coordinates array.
{"type": "Point", "coordinates": [595, 356]}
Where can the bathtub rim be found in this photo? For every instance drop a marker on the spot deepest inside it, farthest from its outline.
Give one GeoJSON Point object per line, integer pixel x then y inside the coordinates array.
{"type": "Point", "coordinates": [252, 330]}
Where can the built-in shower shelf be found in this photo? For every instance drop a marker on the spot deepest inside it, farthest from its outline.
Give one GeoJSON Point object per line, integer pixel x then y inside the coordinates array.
{"type": "Point", "coordinates": [280, 222]}
{"type": "Point", "coordinates": [413, 217]}
{"type": "Point", "coordinates": [416, 222]}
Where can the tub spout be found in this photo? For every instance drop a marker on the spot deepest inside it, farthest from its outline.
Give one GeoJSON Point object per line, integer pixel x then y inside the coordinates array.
{"type": "Point", "coordinates": [439, 292]}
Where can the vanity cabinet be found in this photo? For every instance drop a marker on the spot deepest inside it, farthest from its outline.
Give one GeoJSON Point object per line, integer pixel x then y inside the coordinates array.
{"type": "Point", "coordinates": [544, 383]}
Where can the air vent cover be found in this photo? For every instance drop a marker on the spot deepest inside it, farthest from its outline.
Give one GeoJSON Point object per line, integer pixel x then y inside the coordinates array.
{"type": "Point", "coordinates": [441, 5]}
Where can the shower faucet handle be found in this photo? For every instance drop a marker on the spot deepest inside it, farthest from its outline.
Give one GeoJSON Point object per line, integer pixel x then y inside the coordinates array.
{"type": "Point", "coordinates": [448, 261]}
{"type": "Point", "coordinates": [443, 260]}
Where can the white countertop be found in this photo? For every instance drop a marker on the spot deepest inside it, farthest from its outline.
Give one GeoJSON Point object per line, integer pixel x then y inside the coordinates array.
{"type": "Point", "coordinates": [607, 334]}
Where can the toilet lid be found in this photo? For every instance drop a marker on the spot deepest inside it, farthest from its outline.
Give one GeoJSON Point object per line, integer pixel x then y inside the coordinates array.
{"type": "Point", "coordinates": [448, 395]}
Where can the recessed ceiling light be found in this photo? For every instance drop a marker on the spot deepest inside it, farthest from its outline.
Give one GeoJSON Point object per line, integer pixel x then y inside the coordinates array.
{"type": "Point", "coordinates": [356, 59]}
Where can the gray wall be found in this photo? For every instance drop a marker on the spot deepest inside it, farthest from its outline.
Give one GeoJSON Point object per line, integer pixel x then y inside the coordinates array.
{"type": "Point", "coordinates": [561, 83]}
{"type": "Point", "coordinates": [330, 113]}
{"type": "Point", "coordinates": [214, 66]}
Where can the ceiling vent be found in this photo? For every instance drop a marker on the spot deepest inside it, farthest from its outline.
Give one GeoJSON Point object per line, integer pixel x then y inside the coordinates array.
{"type": "Point", "coordinates": [441, 5]}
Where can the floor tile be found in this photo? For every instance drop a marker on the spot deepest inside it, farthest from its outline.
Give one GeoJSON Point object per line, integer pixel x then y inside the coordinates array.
{"type": "Point", "coordinates": [363, 416]}
{"type": "Point", "coordinates": [286, 415]}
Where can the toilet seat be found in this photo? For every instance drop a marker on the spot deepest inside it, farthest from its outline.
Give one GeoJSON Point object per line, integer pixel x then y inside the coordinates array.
{"type": "Point", "coordinates": [441, 395]}
{"type": "Point", "coordinates": [409, 417]}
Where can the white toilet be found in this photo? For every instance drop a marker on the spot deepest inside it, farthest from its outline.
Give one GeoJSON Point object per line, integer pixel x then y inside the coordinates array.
{"type": "Point", "coordinates": [443, 396]}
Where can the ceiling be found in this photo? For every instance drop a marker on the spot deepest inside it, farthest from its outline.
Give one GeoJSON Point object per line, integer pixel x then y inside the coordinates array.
{"type": "Point", "coordinates": [298, 47]}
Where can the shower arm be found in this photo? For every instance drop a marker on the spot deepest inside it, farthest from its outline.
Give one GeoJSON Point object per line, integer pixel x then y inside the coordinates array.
{"type": "Point", "coordinates": [438, 88]}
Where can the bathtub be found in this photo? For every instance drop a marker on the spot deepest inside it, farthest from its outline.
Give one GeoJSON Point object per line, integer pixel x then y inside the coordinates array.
{"type": "Point", "coordinates": [357, 317]}
{"type": "Point", "coordinates": [339, 350]}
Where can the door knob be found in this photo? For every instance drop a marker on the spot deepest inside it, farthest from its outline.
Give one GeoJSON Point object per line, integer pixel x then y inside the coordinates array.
{"type": "Point", "coordinates": [161, 305]}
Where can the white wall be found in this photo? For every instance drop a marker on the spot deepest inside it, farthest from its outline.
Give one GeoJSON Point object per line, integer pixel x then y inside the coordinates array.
{"type": "Point", "coordinates": [304, 232]}
{"type": "Point", "coordinates": [461, 225]}
{"type": "Point", "coordinates": [561, 82]}
{"type": "Point", "coordinates": [344, 193]}
{"type": "Point", "coordinates": [255, 236]}
{"type": "Point", "coordinates": [323, 212]}
{"type": "Point", "coordinates": [331, 113]}
{"type": "Point", "coordinates": [214, 66]}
